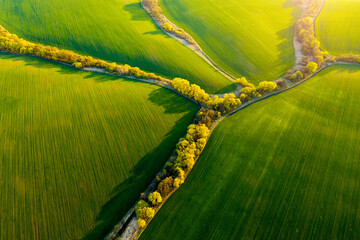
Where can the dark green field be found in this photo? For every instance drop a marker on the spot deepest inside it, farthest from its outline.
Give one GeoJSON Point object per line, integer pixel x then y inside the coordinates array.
{"type": "Point", "coordinates": [77, 149]}
{"type": "Point", "coordinates": [284, 168]}
{"type": "Point", "coordinates": [119, 31]}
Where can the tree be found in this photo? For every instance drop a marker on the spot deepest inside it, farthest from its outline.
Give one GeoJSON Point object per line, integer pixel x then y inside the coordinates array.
{"type": "Point", "coordinates": [165, 186]}
{"type": "Point", "coordinates": [78, 65]}
{"type": "Point", "coordinates": [155, 198]}
{"type": "Point", "coordinates": [244, 82]}
{"type": "Point", "coordinates": [297, 76]}
{"type": "Point", "coordinates": [311, 67]}
{"type": "Point", "coordinates": [143, 211]}
{"type": "Point", "coordinates": [266, 86]}
{"type": "Point", "coordinates": [167, 26]}
{"type": "Point", "coordinates": [141, 223]}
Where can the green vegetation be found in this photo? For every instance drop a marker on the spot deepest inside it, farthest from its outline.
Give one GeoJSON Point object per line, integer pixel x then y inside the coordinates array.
{"type": "Point", "coordinates": [246, 38]}
{"type": "Point", "coordinates": [11, 43]}
{"type": "Point", "coordinates": [173, 175]}
{"type": "Point", "coordinates": [286, 167]}
{"type": "Point", "coordinates": [118, 31]}
{"type": "Point", "coordinates": [77, 148]}
{"type": "Point", "coordinates": [338, 25]}
{"type": "Point", "coordinates": [153, 8]}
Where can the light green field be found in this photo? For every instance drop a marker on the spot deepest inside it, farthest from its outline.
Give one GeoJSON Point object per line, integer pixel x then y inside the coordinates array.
{"type": "Point", "coordinates": [287, 167]}
{"type": "Point", "coordinates": [338, 26]}
{"type": "Point", "coordinates": [77, 149]}
{"type": "Point", "coordinates": [246, 38]}
{"type": "Point", "coordinates": [118, 31]}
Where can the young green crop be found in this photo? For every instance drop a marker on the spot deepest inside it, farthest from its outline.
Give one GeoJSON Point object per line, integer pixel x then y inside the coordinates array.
{"type": "Point", "coordinates": [246, 38]}
{"type": "Point", "coordinates": [286, 167]}
{"type": "Point", "coordinates": [337, 27]}
{"type": "Point", "coordinates": [77, 149]}
{"type": "Point", "coordinates": [119, 31]}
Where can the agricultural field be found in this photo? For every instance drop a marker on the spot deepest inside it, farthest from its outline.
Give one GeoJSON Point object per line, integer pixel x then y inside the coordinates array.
{"type": "Point", "coordinates": [246, 38]}
{"type": "Point", "coordinates": [284, 168]}
{"type": "Point", "coordinates": [171, 149]}
{"type": "Point", "coordinates": [77, 148]}
{"type": "Point", "coordinates": [337, 26]}
{"type": "Point", "coordinates": [119, 31]}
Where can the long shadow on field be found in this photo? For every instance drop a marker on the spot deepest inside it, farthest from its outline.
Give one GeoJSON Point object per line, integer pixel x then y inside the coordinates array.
{"type": "Point", "coordinates": [158, 97]}
{"type": "Point", "coordinates": [126, 193]}
{"type": "Point", "coordinates": [137, 12]}
{"type": "Point", "coordinates": [156, 32]}
{"type": "Point", "coordinates": [285, 48]}
{"type": "Point", "coordinates": [140, 14]}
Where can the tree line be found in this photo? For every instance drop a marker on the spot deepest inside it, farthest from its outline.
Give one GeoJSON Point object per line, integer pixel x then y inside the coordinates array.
{"type": "Point", "coordinates": [349, 58]}
{"type": "Point", "coordinates": [314, 57]}
{"type": "Point", "coordinates": [174, 173]}
{"type": "Point", "coordinates": [228, 102]}
{"type": "Point", "coordinates": [13, 44]}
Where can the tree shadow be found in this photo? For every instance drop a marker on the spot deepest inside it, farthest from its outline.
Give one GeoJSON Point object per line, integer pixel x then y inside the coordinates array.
{"type": "Point", "coordinates": [160, 98]}
{"type": "Point", "coordinates": [127, 193]}
{"type": "Point", "coordinates": [156, 32]}
{"type": "Point", "coordinates": [290, 4]}
{"type": "Point", "coordinates": [40, 63]}
{"type": "Point", "coordinates": [230, 88]}
{"type": "Point", "coordinates": [137, 12]}
{"type": "Point", "coordinates": [285, 47]}
{"type": "Point", "coordinates": [347, 68]}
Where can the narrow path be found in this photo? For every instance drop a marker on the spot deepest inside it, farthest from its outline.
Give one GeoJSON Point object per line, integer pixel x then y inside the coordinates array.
{"type": "Point", "coordinates": [194, 47]}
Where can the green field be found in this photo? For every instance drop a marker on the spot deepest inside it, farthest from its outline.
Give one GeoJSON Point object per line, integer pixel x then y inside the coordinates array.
{"type": "Point", "coordinates": [246, 38]}
{"type": "Point", "coordinates": [337, 27]}
{"type": "Point", "coordinates": [284, 168]}
{"type": "Point", "coordinates": [118, 31]}
{"type": "Point", "coordinates": [77, 149]}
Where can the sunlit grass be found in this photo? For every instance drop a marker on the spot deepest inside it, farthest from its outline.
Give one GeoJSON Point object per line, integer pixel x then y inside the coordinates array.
{"type": "Point", "coordinates": [338, 26]}
{"type": "Point", "coordinates": [118, 31]}
{"type": "Point", "coordinates": [284, 168]}
{"type": "Point", "coordinates": [246, 38]}
{"type": "Point", "coordinates": [77, 149]}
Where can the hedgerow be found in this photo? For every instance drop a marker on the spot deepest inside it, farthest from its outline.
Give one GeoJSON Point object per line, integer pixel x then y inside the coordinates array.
{"type": "Point", "coordinates": [13, 44]}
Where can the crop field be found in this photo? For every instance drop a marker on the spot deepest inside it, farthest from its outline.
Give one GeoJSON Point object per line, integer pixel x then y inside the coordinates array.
{"type": "Point", "coordinates": [77, 149]}
{"type": "Point", "coordinates": [338, 25]}
{"type": "Point", "coordinates": [246, 38]}
{"type": "Point", "coordinates": [119, 31]}
{"type": "Point", "coordinates": [284, 168]}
